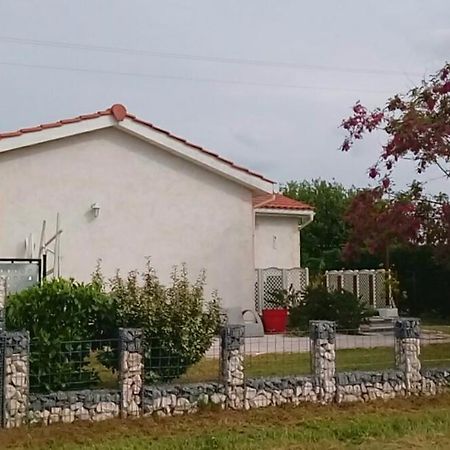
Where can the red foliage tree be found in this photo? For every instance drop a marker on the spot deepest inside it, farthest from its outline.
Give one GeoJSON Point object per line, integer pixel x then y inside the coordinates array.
{"type": "Point", "coordinates": [417, 126]}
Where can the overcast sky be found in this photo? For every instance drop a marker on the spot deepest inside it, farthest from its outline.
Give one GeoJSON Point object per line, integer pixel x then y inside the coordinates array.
{"type": "Point", "coordinates": [191, 69]}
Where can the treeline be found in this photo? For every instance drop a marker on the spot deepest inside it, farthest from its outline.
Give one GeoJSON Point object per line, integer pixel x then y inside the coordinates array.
{"type": "Point", "coordinates": [423, 279]}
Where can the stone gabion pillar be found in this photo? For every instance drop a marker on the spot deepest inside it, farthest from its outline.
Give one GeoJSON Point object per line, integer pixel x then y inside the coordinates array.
{"type": "Point", "coordinates": [323, 358]}
{"type": "Point", "coordinates": [15, 359]}
{"type": "Point", "coordinates": [131, 371]}
{"type": "Point", "coordinates": [232, 364]}
{"type": "Point", "coordinates": [407, 352]}
{"type": "Point", "coordinates": [2, 303]}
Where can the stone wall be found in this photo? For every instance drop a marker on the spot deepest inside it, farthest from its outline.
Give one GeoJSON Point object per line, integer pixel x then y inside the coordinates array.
{"type": "Point", "coordinates": [323, 338]}
{"type": "Point", "coordinates": [407, 352]}
{"type": "Point", "coordinates": [173, 400]}
{"type": "Point", "coordinates": [66, 407]}
{"type": "Point", "coordinates": [15, 348]}
{"type": "Point", "coordinates": [131, 371]}
{"type": "Point", "coordinates": [232, 343]}
{"type": "Point", "coordinates": [233, 391]}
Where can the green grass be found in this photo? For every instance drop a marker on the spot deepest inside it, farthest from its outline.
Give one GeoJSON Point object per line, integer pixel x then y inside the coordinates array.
{"type": "Point", "coordinates": [414, 423]}
{"type": "Point", "coordinates": [284, 364]}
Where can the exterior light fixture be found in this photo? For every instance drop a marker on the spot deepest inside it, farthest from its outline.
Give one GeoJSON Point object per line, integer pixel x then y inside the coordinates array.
{"type": "Point", "coordinates": [95, 208]}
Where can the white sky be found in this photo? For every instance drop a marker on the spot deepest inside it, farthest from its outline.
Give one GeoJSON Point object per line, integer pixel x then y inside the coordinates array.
{"type": "Point", "coordinates": [282, 121]}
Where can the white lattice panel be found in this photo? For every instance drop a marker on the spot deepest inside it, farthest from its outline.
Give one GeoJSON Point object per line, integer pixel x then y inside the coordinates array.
{"type": "Point", "coordinates": [273, 278]}
{"type": "Point", "coordinates": [369, 285]}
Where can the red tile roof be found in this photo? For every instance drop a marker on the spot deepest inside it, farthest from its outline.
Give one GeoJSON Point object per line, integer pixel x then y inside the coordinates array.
{"type": "Point", "coordinates": [278, 201]}
{"type": "Point", "coordinates": [119, 112]}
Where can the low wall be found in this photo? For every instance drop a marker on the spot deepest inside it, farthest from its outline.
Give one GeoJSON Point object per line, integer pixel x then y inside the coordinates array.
{"type": "Point", "coordinates": [66, 407]}
{"type": "Point", "coordinates": [172, 400]}
{"type": "Point", "coordinates": [234, 391]}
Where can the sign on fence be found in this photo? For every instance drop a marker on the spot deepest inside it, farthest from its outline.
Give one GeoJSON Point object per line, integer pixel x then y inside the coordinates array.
{"type": "Point", "coordinates": [20, 274]}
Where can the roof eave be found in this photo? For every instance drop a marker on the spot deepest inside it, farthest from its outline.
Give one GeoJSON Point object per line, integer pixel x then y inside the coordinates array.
{"type": "Point", "coordinates": [287, 212]}
{"type": "Point", "coordinates": [56, 132]}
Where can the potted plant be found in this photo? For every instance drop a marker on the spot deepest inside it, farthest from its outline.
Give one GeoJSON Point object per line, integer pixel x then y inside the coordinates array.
{"type": "Point", "coordinates": [275, 315]}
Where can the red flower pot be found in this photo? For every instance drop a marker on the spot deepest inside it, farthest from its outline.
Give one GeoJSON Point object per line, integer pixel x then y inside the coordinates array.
{"type": "Point", "coordinates": [275, 320]}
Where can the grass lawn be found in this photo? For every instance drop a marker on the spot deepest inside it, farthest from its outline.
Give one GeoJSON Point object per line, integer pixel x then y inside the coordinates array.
{"type": "Point", "coordinates": [414, 423]}
{"type": "Point", "coordinates": [284, 364]}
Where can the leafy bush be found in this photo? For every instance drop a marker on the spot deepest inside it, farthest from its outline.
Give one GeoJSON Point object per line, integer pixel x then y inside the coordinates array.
{"type": "Point", "coordinates": [178, 324]}
{"type": "Point", "coordinates": [55, 313]}
{"type": "Point", "coordinates": [343, 307]}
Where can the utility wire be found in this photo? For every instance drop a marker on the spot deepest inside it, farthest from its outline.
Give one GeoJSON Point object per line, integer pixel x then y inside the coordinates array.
{"type": "Point", "coordinates": [204, 58]}
{"type": "Point", "coordinates": [185, 78]}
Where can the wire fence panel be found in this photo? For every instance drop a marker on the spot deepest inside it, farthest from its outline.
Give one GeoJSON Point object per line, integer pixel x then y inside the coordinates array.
{"type": "Point", "coordinates": [277, 355]}
{"type": "Point", "coordinates": [73, 365]}
{"type": "Point", "coordinates": [165, 362]}
{"type": "Point", "coordinates": [435, 347]}
{"type": "Point", "coordinates": [355, 351]}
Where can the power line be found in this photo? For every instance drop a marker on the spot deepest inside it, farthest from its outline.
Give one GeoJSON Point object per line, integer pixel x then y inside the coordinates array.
{"type": "Point", "coordinates": [185, 78]}
{"type": "Point", "coordinates": [204, 58]}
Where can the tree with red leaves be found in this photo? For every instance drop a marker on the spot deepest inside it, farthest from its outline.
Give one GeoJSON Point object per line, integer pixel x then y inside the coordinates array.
{"type": "Point", "coordinates": [417, 126]}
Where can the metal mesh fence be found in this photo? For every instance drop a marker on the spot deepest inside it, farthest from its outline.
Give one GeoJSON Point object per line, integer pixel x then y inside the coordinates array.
{"type": "Point", "coordinates": [435, 347]}
{"type": "Point", "coordinates": [169, 362]}
{"type": "Point", "coordinates": [364, 352]}
{"type": "Point", "coordinates": [73, 365]}
{"type": "Point", "coordinates": [277, 355]}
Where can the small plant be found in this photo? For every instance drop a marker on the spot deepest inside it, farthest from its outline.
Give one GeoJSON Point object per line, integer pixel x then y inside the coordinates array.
{"type": "Point", "coordinates": [342, 307]}
{"type": "Point", "coordinates": [283, 298]}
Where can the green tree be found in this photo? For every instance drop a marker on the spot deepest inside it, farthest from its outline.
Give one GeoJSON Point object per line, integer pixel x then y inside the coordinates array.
{"type": "Point", "coordinates": [322, 240]}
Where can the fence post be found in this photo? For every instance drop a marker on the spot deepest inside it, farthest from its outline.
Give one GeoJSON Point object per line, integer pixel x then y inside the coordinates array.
{"type": "Point", "coordinates": [15, 377]}
{"type": "Point", "coordinates": [323, 358]}
{"type": "Point", "coordinates": [407, 351]}
{"type": "Point", "coordinates": [131, 371]}
{"type": "Point", "coordinates": [232, 343]}
{"type": "Point", "coordinates": [2, 302]}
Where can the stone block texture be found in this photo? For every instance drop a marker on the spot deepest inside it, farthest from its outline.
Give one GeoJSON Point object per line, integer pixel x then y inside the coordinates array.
{"type": "Point", "coordinates": [232, 364]}
{"type": "Point", "coordinates": [16, 378]}
{"type": "Point", "coordinates": [131, 371]}
{"type": "Point", "coordinates": [323, 358]}
{"type": "Point", "coordinates": [407, 352]}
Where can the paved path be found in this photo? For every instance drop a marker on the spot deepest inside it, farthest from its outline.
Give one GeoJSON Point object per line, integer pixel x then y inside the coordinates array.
{"type": "Point", "coordinates": [278, 343]}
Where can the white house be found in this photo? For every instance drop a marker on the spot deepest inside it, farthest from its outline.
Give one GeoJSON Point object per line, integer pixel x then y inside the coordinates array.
{"type": "Point", "coordinates": [125, 189]}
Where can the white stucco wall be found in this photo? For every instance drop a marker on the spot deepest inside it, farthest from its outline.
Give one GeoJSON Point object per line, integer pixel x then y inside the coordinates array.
{"type": "Point", "coordinates": [277, 242]}
{"type": "Point", "coordinates": [152, 204]}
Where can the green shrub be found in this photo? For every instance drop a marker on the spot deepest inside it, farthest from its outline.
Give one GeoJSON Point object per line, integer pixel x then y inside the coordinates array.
{"type": "Point", "coordinates": [178, 323]}
{"type": "Point", "coordinates": [343, 307]}
{"type": "Point", "coordinates": [55, 313]}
